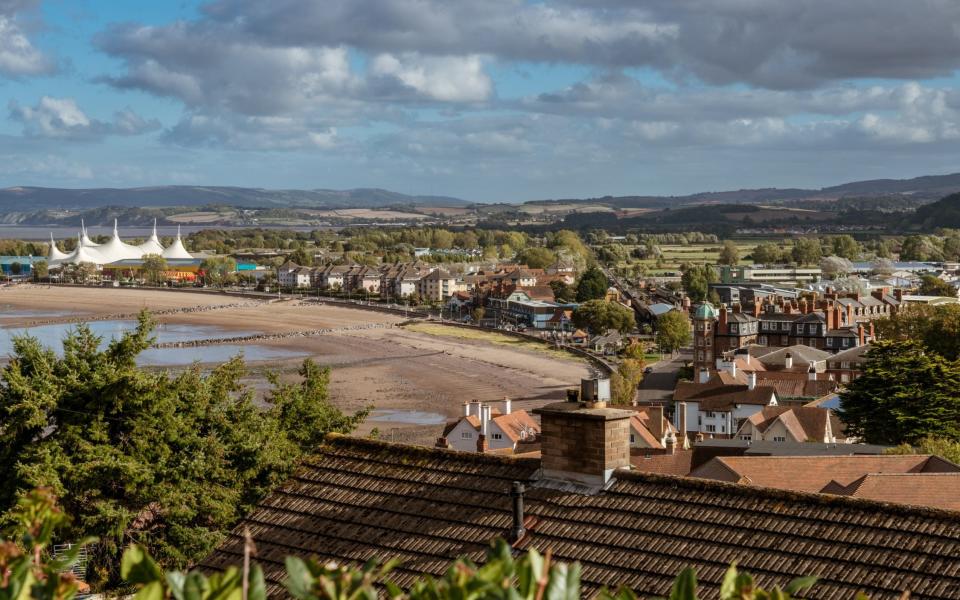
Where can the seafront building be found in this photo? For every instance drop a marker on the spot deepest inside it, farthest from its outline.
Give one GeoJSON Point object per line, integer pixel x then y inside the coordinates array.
{"type": "Point", "coordinates": [116, 250]}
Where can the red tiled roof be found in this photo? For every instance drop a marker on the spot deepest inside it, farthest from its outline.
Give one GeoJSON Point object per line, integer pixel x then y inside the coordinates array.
{"type": "Point", "coordinates": [937, 490]}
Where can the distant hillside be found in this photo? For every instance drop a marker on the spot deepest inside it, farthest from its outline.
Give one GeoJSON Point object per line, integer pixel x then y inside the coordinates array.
{"type": "Point", "coordinates": [942, 213]}
{"type": "Point", "coordinates": [928, 188]}
{"type": "Point", "coordinates": [36, 198]}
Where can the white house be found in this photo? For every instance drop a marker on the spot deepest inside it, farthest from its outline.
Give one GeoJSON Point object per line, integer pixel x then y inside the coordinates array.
{"type": "Point", "coordinates": [719, 407]}
{"type": "Point", "coordinates": [501, 431]}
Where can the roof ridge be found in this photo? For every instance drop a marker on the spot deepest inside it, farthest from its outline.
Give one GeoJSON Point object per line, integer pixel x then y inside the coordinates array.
{"type": "Point", "coordinates": [340, 440]}
{"type": "Point", "coordinates": [770, 493]}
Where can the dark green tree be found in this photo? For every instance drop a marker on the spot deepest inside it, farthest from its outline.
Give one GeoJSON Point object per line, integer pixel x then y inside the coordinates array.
{"type": "Point", "coordinates": [904, 395]}
{"type": "Point", "coordinates": [599, 315]}
{"type": "Point", "coordinates": [845, 246]}
{"type": "Point", "coordinates": [673, 331]}
{"type": "Point", "coordinates": [936, 327]}
{"type": "Point", "coordinates": [807, 251]}
{"type": "Point", "coordinates": [563, 292]}
{"type": "Point", "coordinates": [138, 456]}
{"type": "Point", "coordinates": [934, 286]}
{"type": "Point", "coordinates": [696, 280]}
{"type": "Point", "coordinates": [593, 284]}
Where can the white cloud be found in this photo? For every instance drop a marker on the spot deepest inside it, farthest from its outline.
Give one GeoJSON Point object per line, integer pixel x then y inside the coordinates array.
{"type": "Point", "coordinates": [62, 118]}
{"type": "Point", "coordinates": [18, 56]}
{"type": "Point", "coordinates": [443, 78]}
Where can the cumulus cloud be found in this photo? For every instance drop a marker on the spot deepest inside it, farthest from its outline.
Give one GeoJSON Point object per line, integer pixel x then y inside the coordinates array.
{"type": "Point", "coordinates": [61, 118]}
{"type": "Point", "coordinates": [18, 56]}
{"type": "Point", "coordinates": [238, 132]}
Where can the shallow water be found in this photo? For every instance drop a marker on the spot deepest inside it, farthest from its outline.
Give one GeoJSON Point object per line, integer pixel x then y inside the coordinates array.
{"type": "Point", "coordinates": [409, 417]}
{"type": "Point", "coordinates": [52, 336]}
{"type": "Point", "coordinates": [8, 310]}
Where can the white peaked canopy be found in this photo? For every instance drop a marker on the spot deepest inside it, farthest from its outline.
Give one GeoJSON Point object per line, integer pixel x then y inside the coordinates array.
{"type": "Point", "coordinates": [176, 249]}
{"type": "Point", "coordinates": [82, 254]}
{"type": "Point", "coordinates": [115, 249]}
{"type": "Point", "coordinates": [55, 256]}
{"type": "Point", "coordinates": [152, 245]}
{"type": "Point", "coordinates": [85, 239]}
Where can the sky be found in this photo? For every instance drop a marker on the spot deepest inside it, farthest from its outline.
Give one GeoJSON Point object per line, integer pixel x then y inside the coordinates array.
{"type": "Point", "coordinates": [486, 100]}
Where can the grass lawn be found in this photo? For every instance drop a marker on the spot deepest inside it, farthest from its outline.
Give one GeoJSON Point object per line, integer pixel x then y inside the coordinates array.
{"type": "Point", "coordinates": [491, 337]}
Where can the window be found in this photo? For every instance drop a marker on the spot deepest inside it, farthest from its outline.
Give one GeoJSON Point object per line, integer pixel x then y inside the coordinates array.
{"type": "Point", "coordinates": [733, 328]}
{"type": "Point", "coordinates": [466, 435]}
{"type": "Point", "coordinates": [845, 364]}
{"type": "Point", "coordinates": [812, 329]}
{"type": "Point", "coordinates": [829, 342]}
{"type": "Point", "coordinates": [779, 438]}
{"type": "Point", "coordinates": [710, 414]}
{"type": "Point", "coordinates": [846, 342]}
{"type": "Point", "coordinates": [497, 436]}
{"type": "Point", "coordinates": [632, 439]}
{"type": "Point", "coordinates": [763, 340]}
{"type": "Point", "coordinates": [711, 428]}
{"type": "Point", "coordinates": [746, 438]}
{"type": "Point", "coordinates": [786, 327]}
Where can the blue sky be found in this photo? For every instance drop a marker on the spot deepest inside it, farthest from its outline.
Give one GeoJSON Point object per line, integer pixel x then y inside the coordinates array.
{"type": "Point", "coordinates": [501, 100]}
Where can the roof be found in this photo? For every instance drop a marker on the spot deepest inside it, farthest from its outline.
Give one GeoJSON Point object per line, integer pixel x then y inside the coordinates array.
{"type": "Point", "coordinates": [705, 311]}
{"type": "Point", "coordinates": [357, 499]}
{"type": "Point", "coordinates": [719, 394]}
{"type": "Point", "coordinates": [802, 355]}
{"type": "Point", "coordinates": [814, 473]}
{"type": "Point", "coordinates": [679, 463]}
{"type": "Point", "coordinates": [938, 490]}
{"type": "Point", "coordinates": [857, 354]}
{"type": "Point", "coordinates": [804, 423]}
{"type": "Point", "coordinates": [794, 384]}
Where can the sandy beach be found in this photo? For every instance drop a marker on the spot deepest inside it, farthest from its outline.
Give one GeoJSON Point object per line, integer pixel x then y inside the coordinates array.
{"type": "Point", "coordinates": [413, 379]}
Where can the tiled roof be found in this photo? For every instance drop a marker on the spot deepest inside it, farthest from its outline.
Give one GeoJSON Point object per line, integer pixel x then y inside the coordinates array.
{"type": "Point", "coordinates": [814, 473]}
{"type": "Point", "coordinates": [718, 394]}
{"type": "Point", "coordinates": [360, 499]}
{"type": "Point", "coordinates": [791, 384]}
{"type": "Point", "coordinates": [678, 463]}
{"type": "Point", "coordinates": [810, 423]}
{"type": "Point", "coordinates": [937, 490]}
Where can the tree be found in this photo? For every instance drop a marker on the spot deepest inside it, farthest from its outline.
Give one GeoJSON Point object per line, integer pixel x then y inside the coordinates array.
{"type": "Point", "coordinates": [729, 254]}
{"type": "Point", "coordinates": [218, 270]}
{"type": "Point", "coordinates": [936, 327]}
{"type": "Point", "coordinates": [41, 270]}
{"type": "Point", "coordinates": [154, 266]}
{"type": "Point", "coordinates": [947, 449]}
{"type": "Point", "coordinates": [301, 257]}
{"type": "Point", "coordinates": [624, 381]}
{"type": "Point", "coordinates": [477, 314]}
{"type": "Point", "coordinates": [536, 257]}
{"type": "Point", "coordinates": [673, 331]}
{"type": "Point", "coordinates": [934, 286]}
{"type": "Point", "coordinates": [806, 251]}
{"type": "Point", "coordinates": [836, 266]}
{"type": "Point", "coordinates": [883, 267]}
{"type": "Point", "coordinates": [16, 268]}
{"type": "Point", "coordinates": [593, 284]}
{"type": "Point", "coordinates": [766, 253]}
{"type": "Point", "coordinates": [904, 395]}
{"type": "Point", "coordinates": [696, 281]}
{"type": "Point", "coordinates": [169, 461]}
{"type": "Point", "coordinates": [845, 246]}
{"type": "Point", "coordinates": [563, 292]}
{"type": "Point", "coordinates": [919, 247]}
{"type": "Point", "coordinates": [599, 316]}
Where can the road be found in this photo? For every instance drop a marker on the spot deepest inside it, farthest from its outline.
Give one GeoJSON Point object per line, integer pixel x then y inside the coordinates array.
{"type": "Point", "coordinates": [658, 385]}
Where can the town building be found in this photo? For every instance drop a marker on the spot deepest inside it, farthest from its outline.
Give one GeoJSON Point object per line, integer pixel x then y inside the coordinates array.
{"type": "Point", "coordinates": [486, 429]}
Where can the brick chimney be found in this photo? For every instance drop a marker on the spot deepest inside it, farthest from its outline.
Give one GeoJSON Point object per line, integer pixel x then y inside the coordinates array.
{"type": "Point", "coordinates": [482, 445]}
{"type": "Point", "coordinates": [722, 321]}
{"type": "Point", "coordinates": [655, 421]}
{"type": "Point", "coordinates": [682, 419]}
{"type": "Point", "coordinates": [829, 315]}
{"type": "Point", "coordinates": [757, 307]}
{"type": "Point", "coordinates": [860, 334]}
{"type": "Point", "coordinates": [583, 445]}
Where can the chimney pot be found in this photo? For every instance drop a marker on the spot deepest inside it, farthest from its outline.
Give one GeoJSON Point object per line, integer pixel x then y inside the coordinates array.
{"type": "Point", "coordinates": [751, 380]}
{"type": "Point", "coordinates": [507, 406]}
{"type": "Point", "coordinates": [788, 361]}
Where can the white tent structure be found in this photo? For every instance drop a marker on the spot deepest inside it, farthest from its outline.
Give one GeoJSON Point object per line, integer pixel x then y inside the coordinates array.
{"type": "Point", "coordinates": [85, 239]}
{"type": "Point", "coordinates": [152, 245]}
{"type": "Point", "coordinates": [116, 249]}
{"type": "Point", "coordinates": [55, 256]}
{"type": "Point", "coordinates": [176, 249]}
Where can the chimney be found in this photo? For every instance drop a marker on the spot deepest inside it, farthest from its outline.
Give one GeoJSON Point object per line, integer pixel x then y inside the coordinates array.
{"type": "Point", "coordinates": [466, 409]}
{"type": "Point", "coordinates": [482, 446]}
{"type": "Point", "coordinates": [475, 409]}
{"type": "Point", "coordinates": [655, 421]}
{"type": "Point", "coordinates": [518, 530]}
{"type": "Point", "coordinates": [583, 444]}
{"type": "Point", "coordinates": [442, 443]}
{"type": "Point", "coordinates": [736, 307]}
{"type": "Point", "coordinates": [682, 419]}
{"type": "Point", "coordinates": [484, 419]}
{"type": "Point", "coordinates": [507, 405]}
{"type": "Point", "coordinates": [788, 361]}
{"type": "Point", "coordinates": [704, 375]}
{"type": "Point", "coordinates": [898, 294]}
{"type": "Point", "coordinates": [812, 371]}
{"type": "Point", "coordinates": [860, 334]}
{"type": "Point", "coordinates": [751, 380]}
{"type": "Point", "coordinates": [671, 443]}
{"type": "Point", "coordinates": [595, 392]}
{"type": "Point", "coordinates": [722, 322]}
{"type": "Point", "coordinates": [757, 307]}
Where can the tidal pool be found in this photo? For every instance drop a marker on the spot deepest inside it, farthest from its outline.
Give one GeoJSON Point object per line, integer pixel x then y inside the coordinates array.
{"type": "Point", "coordinates": [52, 336]}
{"type": "Point", "coordinates": [408, 417]}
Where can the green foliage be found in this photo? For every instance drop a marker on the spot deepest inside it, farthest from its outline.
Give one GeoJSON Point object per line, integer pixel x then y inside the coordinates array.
{"type": "Point", "coordinates": [563, 293]}
{"type": "Point", "coordinates": [948, 449]}
{"type": "Point", "coordinates": [807, 251]}
{"type": "Point", "coordinates": [936, 327]}
{"type": "Point", "coordinates": [624, 381]}
{"type": "Point", "coordinates": [536, 257]}
{"type": "Point", "coordinates": [593, 284]}
{"type": "Point", "coordinates": [218, 270]}
{"type": "Point", "coordinates": [170, 462]}
{"type": "Point", "coordinates": [729, 254]}
{"type": "Point", "coordinates": [41, 270]}
{"type": "Point", "coordinates": [301, 257]}
{"type": "Point", "coordinates": [904, 395]}
{"type": "Point", "coordinates": [599, 316]}
{"type": "Point", "coordinates": [673, 331]}
{"type": "Point", "coordinates": [845, 246]}
{"type": "Point", "coordinates": [696, 280]}
{"type": "Point", "coordinates": [920, 247]}
{"type": "Point", "coordinates": [934, 286]}
{"type": "Point", "coordinates": [154, 266]}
